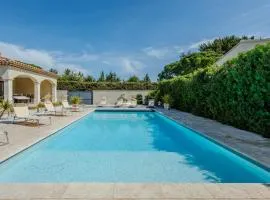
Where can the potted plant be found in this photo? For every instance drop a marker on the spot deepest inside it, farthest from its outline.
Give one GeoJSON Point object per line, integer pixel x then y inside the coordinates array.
{"type": "Point", "coordinates": [5, 106]}
{"type": "Point", "coordinates": [75, 101]}
{"type": "Point", "coordinates": [40, 107]}
{"type": "Point", "coordinates": [166, 101]}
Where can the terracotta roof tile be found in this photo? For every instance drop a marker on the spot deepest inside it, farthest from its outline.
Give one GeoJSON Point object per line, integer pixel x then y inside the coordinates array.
{"type": "Point", "coordinates": [21, 65]}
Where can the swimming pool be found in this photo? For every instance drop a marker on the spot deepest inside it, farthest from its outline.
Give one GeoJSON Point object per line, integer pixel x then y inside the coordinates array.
{"type": "Point", "coordinates": [129, 147]}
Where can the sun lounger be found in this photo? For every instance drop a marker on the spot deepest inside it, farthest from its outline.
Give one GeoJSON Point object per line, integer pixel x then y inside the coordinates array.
{"type": "Point", "coordinates": [119, 103]}
{"type": "Point", "coordinates": [50, 109]}
{"type": "Point", "coordinates": [126, 104]}
{"type": "Point", "coordinates": [103, 102]}
{"type": "Point", "coordinates": [133, 103]}
{"type": "Point", "coordinates": [151, 103]}
{"type": "Point", "coordinates": [66, 105]}
{"type": "Point", "coordinates": [23, 113]}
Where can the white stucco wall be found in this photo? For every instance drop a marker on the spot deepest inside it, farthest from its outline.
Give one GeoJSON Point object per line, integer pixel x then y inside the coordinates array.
{"type": "Point", "coordinates": [8, 74]}
{"type": "Point", "coordinates": [112, 95]}
{"type": "Point", "coordinates": [62, 95]}
{"type": "Point", "coordinates": [241, 47]}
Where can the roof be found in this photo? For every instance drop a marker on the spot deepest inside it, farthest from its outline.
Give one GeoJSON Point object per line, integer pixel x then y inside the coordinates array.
{"type": "Point", "coordinates": [29, 67]}
{"type": "Point", "coordinates": [241, 47]}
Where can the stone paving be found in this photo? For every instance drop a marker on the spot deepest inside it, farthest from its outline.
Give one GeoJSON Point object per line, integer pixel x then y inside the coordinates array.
{"type": "Point", "coordinates": [133, 191]}
{"type": "Point", "coordinates": [250, 144]}
{"type": "Point", "coordinates": [22, 136]}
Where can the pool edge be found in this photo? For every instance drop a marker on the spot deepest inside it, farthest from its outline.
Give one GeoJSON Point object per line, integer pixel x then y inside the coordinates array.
{"type": "Point", "coordinates": [227, 147]}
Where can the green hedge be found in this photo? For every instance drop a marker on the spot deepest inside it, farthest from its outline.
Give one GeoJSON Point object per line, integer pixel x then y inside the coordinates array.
{"type": "Point", "coordinates": [86, 86]}
{"type": "Point", "coordinates": [238, 93]}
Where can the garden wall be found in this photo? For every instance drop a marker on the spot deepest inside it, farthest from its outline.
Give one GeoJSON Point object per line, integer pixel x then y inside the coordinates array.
{"type": "Point", "coordinates": [113, 95]}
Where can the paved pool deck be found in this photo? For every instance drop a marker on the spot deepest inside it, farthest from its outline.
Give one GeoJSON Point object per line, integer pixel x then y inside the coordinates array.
{"type": "Point", "coordinates": [124, 191]}
{"type": "Point", "coordinates": [22, 136]}
{"type": "Point", "coordinates": [250, 144]}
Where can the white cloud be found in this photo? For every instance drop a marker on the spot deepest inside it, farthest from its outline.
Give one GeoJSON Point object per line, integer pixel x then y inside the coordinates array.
{"type": "Point", "coordinates": [77, 68]}
{"type": "Point", "coordinates": [37, 57]}
{"type": "Point", "coordinates": [84, 57]}
{"type": "Point", "coordinates": [131, 66]}
{"type": "Point", "coordinates": [179, 49]}
{"type": "Point", "coordinates": [46, 59]}
{"type": "Point", "coordinates": [125, 65]}
{"type": "Point", "coordinates": [197, 44]}
{"type": "Point", "coordinates": [156, 52]}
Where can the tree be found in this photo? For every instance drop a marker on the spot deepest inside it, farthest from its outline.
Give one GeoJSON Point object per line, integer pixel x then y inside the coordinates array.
{"type": "Point", "coordinates": [112, 77]}
{"type": "Point", "coordinates": [146, 79]}
{"type": "Point", "coordinates": [70, 75]}
{"type": "Point", "coordinates": [168, 71]}
{"type": "Point", "coordinates": [53, 71]}
{"type": "Point", "coordinates": [101, 77]}
{"type": "Point", "coordinates": [223, 45]}
{"type": "Point", "coordinates": [133, 79]}
{"type": "Point", "coordinates": [188, 63]}
{"type": "Point", "coordinates": [67, 72]}
{"type": "Point", "coordinates": [89, 78]}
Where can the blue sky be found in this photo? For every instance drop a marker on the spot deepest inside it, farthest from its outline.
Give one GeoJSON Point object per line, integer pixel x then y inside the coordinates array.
{"type": "Point", "coordinates": [130, 37]}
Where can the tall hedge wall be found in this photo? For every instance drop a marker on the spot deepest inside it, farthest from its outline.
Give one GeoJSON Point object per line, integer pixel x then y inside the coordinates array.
{"type": "Point", "coordinates": [84, 86]}
{"type": "Point", "coordinates": [238, 93]}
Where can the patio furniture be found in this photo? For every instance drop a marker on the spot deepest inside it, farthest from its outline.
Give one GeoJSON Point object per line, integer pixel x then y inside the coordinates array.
{"type": "Point", "coordinates": [21, 99]}
{"type": "Point", "coordinates": [119, 103]}
{"type": "Point", "coordinates": [151, 103]}
{"type": "Point", "coordinates": [126, 104]}
{"type": "Point", "coordinates": [23, 113]}
{"type": "Point", "coordinates": [66, 105]}
{"type": "Point", "coordinates": [50, 109]}
{"type": "Point", "coordinates": [103, 102]}
{"type": "Point", "coordinates": [133, 103]}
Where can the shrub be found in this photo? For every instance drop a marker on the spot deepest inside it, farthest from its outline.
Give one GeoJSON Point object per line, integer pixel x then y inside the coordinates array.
{"type": "Point", "coordinates": [5, 106]}
{"type": "Point", "coordinates": [139, 99]}
{"type": "Point", "coordinates": [57, 103]}
{"type": "Point", "coordinates": [87, 86]}
{"type": "Point", "coordinates": [238, 93]}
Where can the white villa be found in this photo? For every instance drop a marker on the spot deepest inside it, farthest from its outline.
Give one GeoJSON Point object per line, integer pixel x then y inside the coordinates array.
{"type": "Point", "coordinates": [20, 81]}
{"type": "Point", "coordinates": [241, 47]}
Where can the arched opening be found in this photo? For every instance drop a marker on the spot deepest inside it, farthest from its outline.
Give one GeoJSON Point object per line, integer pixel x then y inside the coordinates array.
{"type": "Point", "coordinates": [46, 90]}
{"type": "Point", "coordinates": [23, 86]}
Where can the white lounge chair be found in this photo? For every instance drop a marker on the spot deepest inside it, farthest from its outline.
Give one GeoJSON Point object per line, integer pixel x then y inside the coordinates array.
{"type": "Point", "coordinates": [23, 113]}
{"type": "Point", "coordinates": [151, 103]}
{"type": "Point", "coordinates": [119, 103]}
{"type": "Point", "coordinates": [51, 109]}
{"type": "Point", "coordinates": [103, 102]}
{"type": "Point", "coordinates": [126, 104]}
{"type": "Point", "coordinates": [133, 103]}
{"type": "Point", "coordinates": [66, 105]}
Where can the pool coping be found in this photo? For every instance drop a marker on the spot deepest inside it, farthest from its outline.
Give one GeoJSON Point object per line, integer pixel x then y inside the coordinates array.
{"type": "Point", "coordinates": [220, 143]}
{"type": "Point", "coordinates": [134, 191]}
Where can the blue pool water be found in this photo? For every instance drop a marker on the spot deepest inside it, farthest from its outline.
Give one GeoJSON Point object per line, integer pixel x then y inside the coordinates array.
{"type": "Point", "coordinates": [129, 147]}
